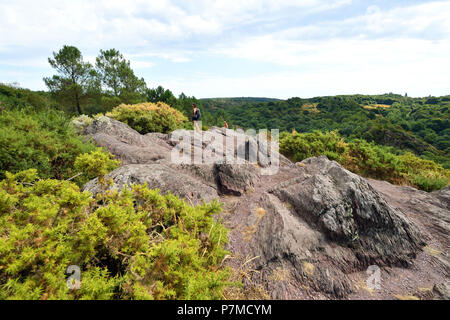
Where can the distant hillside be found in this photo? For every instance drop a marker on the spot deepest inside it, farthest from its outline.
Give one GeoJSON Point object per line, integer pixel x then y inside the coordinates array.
{"type": "Point", "coordinates": [223, 103]}
{"type": "Point", "coordinates": [421, 125]}
{"type": "Point", "coordinates": [18, 98]}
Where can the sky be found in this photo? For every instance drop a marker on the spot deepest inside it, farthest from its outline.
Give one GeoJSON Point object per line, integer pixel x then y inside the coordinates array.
{"type": "Point", "coordinates": [240, 48]}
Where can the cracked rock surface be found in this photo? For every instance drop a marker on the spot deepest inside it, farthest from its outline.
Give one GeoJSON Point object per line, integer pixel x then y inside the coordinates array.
{"type": "Point", "coordinates": [308, 231]}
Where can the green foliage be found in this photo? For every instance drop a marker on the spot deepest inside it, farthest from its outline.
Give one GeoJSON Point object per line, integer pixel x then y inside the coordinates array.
{"type": "Point", "coordinates": [12, 97]}
{"type": "Point", "coordinates": [160, 94]}
{"type": "Point", "coordinates": [136, 244]}
{"type": "Point", "coordinates": [301, 146]}
{"type": "Point", "coordinates": [149, 117]}
{"type": "Point", "coordinates": [42, 140]}
{"type": "Point", "coordinates": [419, 125]}
{"type": "Point", "coordinates": [94, 164]}
{"type": "Point", "coordinates": [115, 73]}
{"type": "Point", "coordinates": [366, 159]}
{"type": "Point", "coordinates": [74, 81]}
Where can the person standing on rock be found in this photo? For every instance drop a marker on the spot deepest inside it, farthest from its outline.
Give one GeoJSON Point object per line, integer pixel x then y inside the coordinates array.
{"type": "Point", "coordinates": [196, 116]}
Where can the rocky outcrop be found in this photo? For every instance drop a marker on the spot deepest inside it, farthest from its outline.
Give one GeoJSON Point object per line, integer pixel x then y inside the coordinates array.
{"type": "Point", "coordinates": [125, 143]}
{"type": "Point", "coordinates": [441, 291]}
{"type": "Point", "coordinates": [304, 232]}
{"type": "Point", "coordinates": [157, 176]}
{"type": "Point", "coordinates": [235, 179]}
{"type": "Point", "coordinates": [350, 212]}
{"type": "Point", "coordinates": [432, 209]}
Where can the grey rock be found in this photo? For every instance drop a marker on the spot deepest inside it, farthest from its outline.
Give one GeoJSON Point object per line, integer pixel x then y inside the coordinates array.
{"type": "Point", "coordinates": [285, 239]}
{"type": "Point", "coordinates": [235, 179]}
{"type": "Point", "coordinates": [127, 144]}
{"type": "Point", "coordinates": [441, 291]}
{"type": "Point", "coordinates": [430, 209]}
{"type": "Point", "coordinates": [350, 212]}
{"type": "Point", "coordinates": [157, 176]}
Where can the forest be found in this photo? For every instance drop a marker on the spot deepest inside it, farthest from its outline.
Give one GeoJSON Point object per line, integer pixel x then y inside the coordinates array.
{"type": "Point", "coordinates": [419, 125]}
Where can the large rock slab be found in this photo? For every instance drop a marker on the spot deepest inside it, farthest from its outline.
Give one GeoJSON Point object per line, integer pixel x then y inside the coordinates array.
{"type": "Point", "coordinates": [284, 241]}
{"type": "Point", "coordinates": [236, 179]}
{"type": "Point", "coordinates": [350, 212]}
{"type": "Point", "coordinates": [430, 208]}
{"type": "Point", "coordinates": [157, 176]}
{"type": "Point", "coordinates": [127, 144]}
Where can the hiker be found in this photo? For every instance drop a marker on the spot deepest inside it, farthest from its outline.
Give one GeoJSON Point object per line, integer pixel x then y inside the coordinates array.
{"type": "Point", "coordinates": [225, 124]}
{"type": "Point", "coordinates": [196, 116]}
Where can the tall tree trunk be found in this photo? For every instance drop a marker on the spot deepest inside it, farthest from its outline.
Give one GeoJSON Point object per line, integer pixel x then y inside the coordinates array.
{"type": "Point", "coordinates": [77, 100]}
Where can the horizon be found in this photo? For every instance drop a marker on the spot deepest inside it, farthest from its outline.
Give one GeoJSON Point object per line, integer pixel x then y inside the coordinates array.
{"type": "Point", "coordinates": [259, 49]}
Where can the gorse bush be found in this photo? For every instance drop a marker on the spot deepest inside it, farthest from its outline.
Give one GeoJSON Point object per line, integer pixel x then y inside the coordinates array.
{"type": "Point", "coordinates": [149, 117]}
{"type": "Point", "coordinates": [44, 140]}
{"type": "Point", "coordinates": [94, 164]}
{"type": "Point", "coordinates": [366, 159]}
{"type": "Point", "coordinates": [134, 244]}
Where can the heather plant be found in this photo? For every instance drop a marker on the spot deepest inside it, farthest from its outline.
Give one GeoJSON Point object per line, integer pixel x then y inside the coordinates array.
{"type": "Point", "coordinates": [149, 117]}
{"type": "Point", "coordinates": [134, 244]}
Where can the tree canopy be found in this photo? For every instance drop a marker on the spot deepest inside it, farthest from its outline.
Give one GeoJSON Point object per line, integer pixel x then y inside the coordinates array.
{"type": "Point", "coordinates": [74, 79]}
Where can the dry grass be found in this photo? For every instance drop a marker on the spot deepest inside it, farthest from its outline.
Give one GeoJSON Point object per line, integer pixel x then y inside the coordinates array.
{"type": "Point", "coordinates": [376, 106]}
{"type": "Point", "coordinates": [244, 272]}
{"type": "Point", "coordinates": [260, 212]}
{"type": "Point", "coordinates": [432, 251]}
{"type": "Point", "coordinates": [308, 268]}
{"type": "Point", "coordinates": [405, 297]}
{"type": "Point", "coordinates": [362, 285]}
{"type": "Point", "coordinates": [280, 274]}
{"type": "Point", "coordinates": [311, 107]}
{"type": "Point", "coordinates": [249, 232]}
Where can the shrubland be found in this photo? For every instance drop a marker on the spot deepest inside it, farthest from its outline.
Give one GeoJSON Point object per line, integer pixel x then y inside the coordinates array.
{"type": "Point", "coordinates": [366, 159]}
{"type": "Point", "coordinates": [43, 140]}
{"type": "Point", "coordinates": [134, 244]}
{"type": "Point", "coordinates": [149, 117]}
{"type": "Point", "coordinates": [418, 125]}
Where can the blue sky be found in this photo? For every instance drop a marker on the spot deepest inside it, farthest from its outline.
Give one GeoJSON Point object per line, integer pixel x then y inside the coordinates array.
{"type": "Point", "coordinates": [233, 48]}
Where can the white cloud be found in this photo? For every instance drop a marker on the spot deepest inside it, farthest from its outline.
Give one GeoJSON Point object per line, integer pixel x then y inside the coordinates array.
{"type": "Point", "coordinates": [404, 48]}
{"type": "Point", "coordinates": [28, 23]}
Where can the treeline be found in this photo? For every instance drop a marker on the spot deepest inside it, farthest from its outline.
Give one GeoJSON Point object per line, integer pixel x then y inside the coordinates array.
{"type": "Point", "coordinates": [419, 125]}
{"type": "Point", "coordinates": [79, 87]}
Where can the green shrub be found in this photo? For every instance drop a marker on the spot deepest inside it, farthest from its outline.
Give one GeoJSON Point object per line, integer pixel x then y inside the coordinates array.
{"type": "Point", "coordinates": [81, 122]}
{"type": "Point", "coordinates": [366, 159]}
{"type": "Point", "coordinates": [305, 145]}
{"type": "Point", "coordinates": [149, 117]}
{"type": "Point", "coordinates": [19, 98]}
{"type": "Point", "coordinates": [134, 244]}
{"type": "Point", "coordinates": [94, 164]}
{"type": "Point", "coordinates": [43, 140]}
